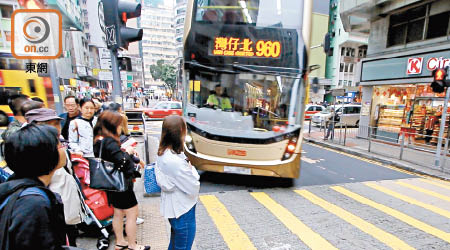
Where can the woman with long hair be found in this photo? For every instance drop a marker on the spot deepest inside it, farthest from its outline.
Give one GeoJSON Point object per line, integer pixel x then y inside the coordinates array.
{"type": "Point", "coordinates": [179, 182]}
{"type": "Point", "coordinates": [81, 130]}
{"type": "Point", "coordinates": [106, 138]}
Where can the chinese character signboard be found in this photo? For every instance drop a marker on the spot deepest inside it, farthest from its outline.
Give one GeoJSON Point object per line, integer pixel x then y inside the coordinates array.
{"type": "Point", "coordinates": [245, 47]}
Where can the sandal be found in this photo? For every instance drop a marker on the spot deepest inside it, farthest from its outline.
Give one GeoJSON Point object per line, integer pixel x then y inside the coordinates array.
{"type": "Point", "coordinates": [121, 247]}
{"type": "Point", "coordinates": [141, 248]}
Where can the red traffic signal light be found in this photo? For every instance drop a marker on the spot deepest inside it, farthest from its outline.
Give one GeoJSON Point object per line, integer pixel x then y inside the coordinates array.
{"type": "Point", "coordinates": [439, 80]}
{"type": "Point", "coordinates": [440, 74]}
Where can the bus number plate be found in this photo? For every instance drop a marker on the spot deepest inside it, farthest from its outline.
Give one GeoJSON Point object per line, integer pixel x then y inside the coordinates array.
{"type": "Point", "coordinates": [237, 170]}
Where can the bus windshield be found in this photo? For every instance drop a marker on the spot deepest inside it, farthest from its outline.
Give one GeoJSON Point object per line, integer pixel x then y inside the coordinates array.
{"type": "Point", "coordinates": [244, 101]}
{"type": "Point", "coordinates": [260, 13]}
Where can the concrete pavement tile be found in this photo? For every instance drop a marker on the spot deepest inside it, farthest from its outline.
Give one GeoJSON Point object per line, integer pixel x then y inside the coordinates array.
{"type": "Point", "coordinates": [335, 230]}
{"type": "Point", "coordinates": [264, 229]}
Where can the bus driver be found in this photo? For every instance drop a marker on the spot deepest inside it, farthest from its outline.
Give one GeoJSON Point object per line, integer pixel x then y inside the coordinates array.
{"type": "Point", "coordinates": [217, 100]}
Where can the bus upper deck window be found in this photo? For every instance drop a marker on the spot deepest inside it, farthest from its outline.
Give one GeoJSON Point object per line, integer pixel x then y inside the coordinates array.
{"type": "Point", "coordinates": [32, 85]}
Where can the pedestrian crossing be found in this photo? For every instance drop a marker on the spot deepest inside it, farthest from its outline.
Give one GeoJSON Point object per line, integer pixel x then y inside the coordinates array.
{"type": "Point", "coordinates": [390, 214]}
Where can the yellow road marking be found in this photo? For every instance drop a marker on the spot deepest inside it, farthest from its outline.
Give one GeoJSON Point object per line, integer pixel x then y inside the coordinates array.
{"type": "Point", "coordinates": [384, 237]}
{"type": "Point", "coordinates": [425, 191]}
{"type": "Point", "coordinates": [396, 214]}
{"type": "Point", "coordinates": [227, 226]}
{"type": "Point", "coordinates": [308, 236]}
{"type": "Point", "coordinates": [439, 184]}
{"type": "Point", "coordinates": [410, 200]}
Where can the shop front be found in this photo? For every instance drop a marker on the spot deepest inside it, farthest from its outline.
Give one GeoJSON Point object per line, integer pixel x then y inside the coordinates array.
{"type": "Point", "coordinates": [397, 98]}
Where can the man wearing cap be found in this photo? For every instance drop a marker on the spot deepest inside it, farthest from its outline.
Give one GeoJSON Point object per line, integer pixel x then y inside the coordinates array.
{"type": "Point", "coordinates": [62, 181]}
{"type": "Point", "coordinates": [44, 116]}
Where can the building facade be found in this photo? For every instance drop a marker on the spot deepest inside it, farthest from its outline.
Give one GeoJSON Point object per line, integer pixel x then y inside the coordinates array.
{"type": "Point", "coordinates": [180, 14]}
{"type": "Point", "coordinates": [317, 55]}
{"type": "Point", "coordinates": [158, 41]}
{"type": "Point", "coordinates": [407, 41]}
{"type": "Point", "coordinates": [348, 48]}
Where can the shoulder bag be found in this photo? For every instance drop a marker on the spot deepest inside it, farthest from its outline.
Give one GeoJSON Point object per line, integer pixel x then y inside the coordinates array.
{"type": "Point", "coordinates": [105, 175]}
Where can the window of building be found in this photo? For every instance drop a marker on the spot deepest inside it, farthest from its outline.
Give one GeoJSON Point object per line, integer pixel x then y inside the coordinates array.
{"type": "Point", "coordinates": [6, 10]}
{"type": "Point", "coordinates": [340, 83]}
{"type": "Point", "coordinates": [417, 24]}
{"type": "Point", "coordinates": [438, 25]}
{"type": "Point", "coordinates": [341, 68]}
{"type": "Point", "coordinates": [346, 68]}
{"type": "Point", "coordinates": [342, 51]}
{"type": "Point", "coordinates": [351, 68]}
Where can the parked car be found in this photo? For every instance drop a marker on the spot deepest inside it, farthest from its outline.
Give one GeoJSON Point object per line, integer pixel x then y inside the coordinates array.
{"type": "Point", "coordinates": [163, 109]}
{"type": "Point", "coordinates": [347, 114]}
{"type": "Point", "coordinates": [310, 110]}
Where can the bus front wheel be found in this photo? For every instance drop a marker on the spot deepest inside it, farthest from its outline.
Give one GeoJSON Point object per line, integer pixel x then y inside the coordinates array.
{"type": "Point", "coordinates": [4, 120]}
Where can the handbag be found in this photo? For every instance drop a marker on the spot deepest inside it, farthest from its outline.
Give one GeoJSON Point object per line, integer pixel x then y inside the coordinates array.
{"type": "Point", "coordinates": [104, 175]}
{"type": "Point", "coordinates": [150, 184]}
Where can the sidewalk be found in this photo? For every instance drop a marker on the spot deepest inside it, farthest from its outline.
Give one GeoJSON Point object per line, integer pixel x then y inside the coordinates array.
{"type": "Point", "coordinates": [413, 160]}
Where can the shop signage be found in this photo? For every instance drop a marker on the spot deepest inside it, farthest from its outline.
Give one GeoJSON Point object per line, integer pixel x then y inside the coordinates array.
{"type": "Point", "coordinates": [407, 67]}
{"type": "Point", "coordinates": [105, 76]}
{"type": "Point", "coordinates": [414, 66]}
{"type": "Point", "coordinates": [338, 92]}
{"type": "Point", "coordinates": [105, 63]}
{"type": "Point", "coordinates": [104, 53]}
{"type": "Point", "coordinates": [435, 63]}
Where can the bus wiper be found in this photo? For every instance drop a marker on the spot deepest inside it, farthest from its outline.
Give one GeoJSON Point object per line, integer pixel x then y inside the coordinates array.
{"type": "Point", "coordinates": [213, 69]}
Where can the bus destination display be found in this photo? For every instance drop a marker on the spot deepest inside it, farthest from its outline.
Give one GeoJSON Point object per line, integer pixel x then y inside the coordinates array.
{"type": "Point", "coordinates": [245, 47]}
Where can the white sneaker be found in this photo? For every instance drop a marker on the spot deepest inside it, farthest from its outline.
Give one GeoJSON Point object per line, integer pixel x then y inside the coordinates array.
{"type": "Point", "coordinates": [139, 221]}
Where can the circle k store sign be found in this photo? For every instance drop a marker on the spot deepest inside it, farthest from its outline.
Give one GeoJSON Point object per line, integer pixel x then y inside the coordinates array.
{"type": "Point", "coordinates": [415, 64]}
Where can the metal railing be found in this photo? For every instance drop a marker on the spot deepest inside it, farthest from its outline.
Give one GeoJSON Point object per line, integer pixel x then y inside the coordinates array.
{"type": "Point", "coordinates": [403, 144]}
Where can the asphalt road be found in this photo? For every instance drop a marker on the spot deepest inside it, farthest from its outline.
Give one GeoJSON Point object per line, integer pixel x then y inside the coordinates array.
{"type": "Point", "coordinates": [319, 166]}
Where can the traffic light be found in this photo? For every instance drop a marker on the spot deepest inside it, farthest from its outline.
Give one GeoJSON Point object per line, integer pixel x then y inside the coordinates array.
{"type": "Point", "coordinates": [315, 85]}
{"type": "Point", "coordinates": [439, 80]}
{"type": "Point", "coordinates": [116, 13]}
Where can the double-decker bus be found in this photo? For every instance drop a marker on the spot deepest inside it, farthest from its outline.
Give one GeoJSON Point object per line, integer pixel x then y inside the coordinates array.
{"type": "Point", "coordinates": [15, 80]}
{"type": "Point", "coordinates": [245, 85]}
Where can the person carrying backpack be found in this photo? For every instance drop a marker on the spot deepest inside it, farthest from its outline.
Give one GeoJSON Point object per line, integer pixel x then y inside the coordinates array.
{"type": "Point", "coordinates": [32, 216]}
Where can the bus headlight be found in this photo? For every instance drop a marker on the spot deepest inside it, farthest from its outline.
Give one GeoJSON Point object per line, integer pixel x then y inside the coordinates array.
{"type": "Point", "coordinates": [190, 143]}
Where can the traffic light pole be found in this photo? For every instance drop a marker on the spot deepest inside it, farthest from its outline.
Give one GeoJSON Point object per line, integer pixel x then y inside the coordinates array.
{"type": "Point", "coordinates": [437, 162]}
{"type": "Point", "coordinates": [117, 83]}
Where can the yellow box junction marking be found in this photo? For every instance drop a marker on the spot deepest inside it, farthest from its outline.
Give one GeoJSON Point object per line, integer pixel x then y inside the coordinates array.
{"type": "Point", "coordinates": [438, 184]}
{"type": "Point", "coordinates": [225, 223]}
{"type": "Point", "coordinates": [396, 214]}
{"type": "Point", "coordinates": [423, 190]}
{"type": "Point", "coordinates": [384, 237]}
{"type": "Point", "coordinates": [308, 236]}
{"type": "Point", "coordinates": [410, 200]}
